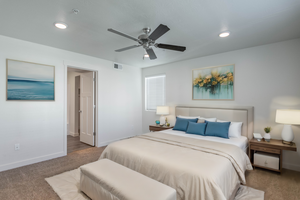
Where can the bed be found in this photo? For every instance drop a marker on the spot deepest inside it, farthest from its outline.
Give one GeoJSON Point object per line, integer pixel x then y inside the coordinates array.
{"type": "Point", "coordinates": [198, 168]}
{"type": "Point", "coordinates": [241, 142]}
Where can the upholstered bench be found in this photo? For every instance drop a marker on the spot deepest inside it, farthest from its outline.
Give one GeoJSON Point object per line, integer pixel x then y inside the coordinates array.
{"type": "Point", "coordinates": [107, 180]}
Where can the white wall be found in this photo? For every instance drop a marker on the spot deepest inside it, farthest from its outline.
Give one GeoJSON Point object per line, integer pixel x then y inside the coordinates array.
{"type": "Point", "coordinates": [266, 77]}
{"type": "Point", "coordinates": [40, 127]}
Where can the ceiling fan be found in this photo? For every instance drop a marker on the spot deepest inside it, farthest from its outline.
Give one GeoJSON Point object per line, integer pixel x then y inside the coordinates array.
{"type": "Point", "coordinates": [148, 41]}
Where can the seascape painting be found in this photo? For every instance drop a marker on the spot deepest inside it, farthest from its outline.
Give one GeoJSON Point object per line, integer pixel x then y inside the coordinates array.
{"type": "Point", "coordinates": [29, 81]}
{"type": "Point", "coordinates": [213, 83]}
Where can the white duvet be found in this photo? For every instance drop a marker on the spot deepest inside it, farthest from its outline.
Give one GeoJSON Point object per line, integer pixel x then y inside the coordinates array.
{"type": "Point", "coordinates": [197, 169]}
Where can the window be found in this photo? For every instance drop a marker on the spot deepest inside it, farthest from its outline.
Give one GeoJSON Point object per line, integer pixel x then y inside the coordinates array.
{"type": "Point", "coordinates": [155, 92]}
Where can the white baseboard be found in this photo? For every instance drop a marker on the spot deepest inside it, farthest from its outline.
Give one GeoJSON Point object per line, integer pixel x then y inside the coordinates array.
{"type": "Point", "coordinates": [291, 166]}
{"type": "Point", "coordinates": [73, 134]}
{"type": "Point", "coordinates": [30, 161]}
{"type": "Point", "coordinates": [102, 144]}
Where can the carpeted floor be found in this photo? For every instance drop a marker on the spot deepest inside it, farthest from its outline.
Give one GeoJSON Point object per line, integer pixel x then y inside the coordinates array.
{"type": "Point", "coordinates": [29, 183]}
{"type": "Point", "coordinates": [277, 187]}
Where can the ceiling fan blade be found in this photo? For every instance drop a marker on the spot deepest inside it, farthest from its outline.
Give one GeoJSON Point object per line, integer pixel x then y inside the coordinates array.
{"type": "Point", "coordinates": [158, 32]}
{"type": "Point", "coordinates": [151, 54]}
{"type": "Point", "coordinates": [171, 47]}
{"type": "Point", "coordinates": [122, 34]}
{"type": "Point", "coordinates": [127, 48]}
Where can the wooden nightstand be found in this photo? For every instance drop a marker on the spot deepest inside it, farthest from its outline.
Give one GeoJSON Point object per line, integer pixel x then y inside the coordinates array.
{"type": "Point", "coordinates": [272, 147]}
{"type": "Point", "coordinates": [154, 128]}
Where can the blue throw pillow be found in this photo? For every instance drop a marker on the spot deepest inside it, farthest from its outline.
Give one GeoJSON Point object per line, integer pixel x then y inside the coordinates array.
{"type": "Point", "coordinates": [196, 128]}
{"type": "Point", "coordinates": [182, 123]}
{"type": "Point", "coordinates": [217, 129]}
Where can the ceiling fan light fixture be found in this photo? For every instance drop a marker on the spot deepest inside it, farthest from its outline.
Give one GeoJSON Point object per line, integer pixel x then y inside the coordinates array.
{"type": "Point", "coordinates": [146, 56]}
{"type": "Point", "coordinates": [224, 34]}
{"type": "Point", "coordinates": [148, 41]}
{"type": "Point", "coordinates": [60, 25]}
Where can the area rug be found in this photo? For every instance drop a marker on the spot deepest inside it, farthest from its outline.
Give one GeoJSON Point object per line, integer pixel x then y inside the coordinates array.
{"type": "Point", "coordinates": [66, 186]}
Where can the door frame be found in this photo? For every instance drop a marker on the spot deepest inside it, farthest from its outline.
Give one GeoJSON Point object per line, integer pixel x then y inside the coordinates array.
{"type": "Point", "coordinates": [83, 67]}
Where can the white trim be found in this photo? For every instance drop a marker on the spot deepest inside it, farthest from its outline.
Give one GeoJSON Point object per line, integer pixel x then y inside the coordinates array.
{"type": "Point", "coordinates": [88, 67]}
{"type": "Point", "coordinates": [65, 120]}
{"type": "Point", "coordinates": [73, 134]}
{"type": "Point", "coordinates": [155, 76]}
{"type": "Point", "coordinates": [30, 161]}
{"type": "Point", "coordinates": [102, 144]}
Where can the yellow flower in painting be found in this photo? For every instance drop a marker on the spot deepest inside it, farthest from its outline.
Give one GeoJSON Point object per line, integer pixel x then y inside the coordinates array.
{"type": "Point", "coordinates": [196, 81]}
{"type": "Point", "coordinates": [215, 74]}
{"type": "Point", "coordinates": [205, 81]}
{"type": "Point", "coordinates": [219, 79]}
{"type": "Point", "coordinates": [225, 79]}
{"type": "Point", "coordinates": [214, 83]}
{"type": "Point", "coordinates": [208, 76]}
{"type": "Point", "coordinates": [229, 74]}
{"type": "Point", "coordinates": [230, 78]}
{"type": "Point", "coordinates": [201, 84]}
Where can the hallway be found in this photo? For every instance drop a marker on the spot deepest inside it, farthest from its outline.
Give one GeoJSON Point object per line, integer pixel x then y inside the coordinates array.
{"type": "Point", "coordinates": [74, 144]}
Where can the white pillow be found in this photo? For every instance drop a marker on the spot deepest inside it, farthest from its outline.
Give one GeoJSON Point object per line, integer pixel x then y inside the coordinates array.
{"type": "Point", "coordinates": [235, 129]}
{"type": "Point", "coordinates": [188, 117]}
{"type": "Point", "coordinates": [209, 119]}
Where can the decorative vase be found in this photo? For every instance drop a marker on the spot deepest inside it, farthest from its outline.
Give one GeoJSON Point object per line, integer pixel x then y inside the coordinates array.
{"type": "Point", "coordinates": [267, 137]}
{"type": "Point", "coordinates": [157, 122]}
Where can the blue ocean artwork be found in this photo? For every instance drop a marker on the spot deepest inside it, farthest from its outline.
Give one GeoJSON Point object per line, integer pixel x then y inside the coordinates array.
{"type": "Point", "coordinates": [214, 83]}
{"type": "Point", "coordinates": [28, 81]}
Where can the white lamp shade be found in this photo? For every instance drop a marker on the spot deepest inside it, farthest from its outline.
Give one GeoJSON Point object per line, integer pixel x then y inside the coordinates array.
{"type": "Point", "coordinates": [162, 110]}
{"type": "Point", "coordinates": [288, 116]}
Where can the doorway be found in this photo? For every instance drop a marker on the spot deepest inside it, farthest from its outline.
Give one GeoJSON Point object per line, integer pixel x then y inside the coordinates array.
{"type": "Point", "coordinates": [77, 104]}
{"type": "Point", "coordinates": [81, 105]}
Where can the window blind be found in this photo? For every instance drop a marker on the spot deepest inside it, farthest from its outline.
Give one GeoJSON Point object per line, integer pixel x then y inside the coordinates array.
{"type": "Point", "coordinates": [155, 91]}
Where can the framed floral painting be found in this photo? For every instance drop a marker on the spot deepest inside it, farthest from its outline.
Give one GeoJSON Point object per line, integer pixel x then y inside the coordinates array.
{"type": "Point", "coordinates": [213, 83]}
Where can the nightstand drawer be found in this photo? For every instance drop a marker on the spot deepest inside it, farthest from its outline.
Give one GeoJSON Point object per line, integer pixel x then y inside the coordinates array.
{"type": "Point", "coordinates": [156, 128]}
{"type": "Point", "coordinates": [159, 128]}
{"type": "Point", "coordinates": [266, 160]}
{"type": "Point", "coordinates": [265, 149]}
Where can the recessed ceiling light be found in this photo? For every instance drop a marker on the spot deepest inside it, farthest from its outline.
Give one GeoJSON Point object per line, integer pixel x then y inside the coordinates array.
{"type": "Point", "coordinates": [60, 25]}
{"type": "Point", "coordinates": [224, 34]}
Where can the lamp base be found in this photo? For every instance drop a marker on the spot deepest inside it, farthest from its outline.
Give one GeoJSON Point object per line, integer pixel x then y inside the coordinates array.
{"type": "Point", "coordinates": [287, 143]}
{"type": "Point", "coordinates": [287, 134]}
{"type": "Point", "coordinates": [163, 120]}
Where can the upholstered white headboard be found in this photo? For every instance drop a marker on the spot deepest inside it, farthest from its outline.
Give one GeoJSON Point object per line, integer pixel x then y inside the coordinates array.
{"type": "Point", "coordinates": [234, 114]}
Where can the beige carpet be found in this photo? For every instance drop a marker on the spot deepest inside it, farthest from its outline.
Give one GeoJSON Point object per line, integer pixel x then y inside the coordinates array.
{"type": "Point", "coordinates": [28, 182]}
{"type": "Point", "coordinates": [66, 185]}
{"type": "Point", "coordinates": [285, 186]}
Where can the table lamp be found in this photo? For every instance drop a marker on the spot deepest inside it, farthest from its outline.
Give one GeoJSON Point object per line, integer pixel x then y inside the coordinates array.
{"type": "Point", "coordinates": [287, 117]}
{"type": "Point", "coordinates": [162, 110]}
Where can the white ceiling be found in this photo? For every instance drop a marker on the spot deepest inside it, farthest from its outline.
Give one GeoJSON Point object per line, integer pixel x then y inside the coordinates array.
{"type": "Point", "coordinates": [193, 23]}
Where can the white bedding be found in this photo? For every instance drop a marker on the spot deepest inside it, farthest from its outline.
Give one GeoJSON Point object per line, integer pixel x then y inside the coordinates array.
{"type": "Point", "coordinates": [241, 142]}
{"type": "Point", "coordinates": [198, 169]}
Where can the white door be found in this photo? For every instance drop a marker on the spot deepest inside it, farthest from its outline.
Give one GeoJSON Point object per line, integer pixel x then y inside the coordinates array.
{"type": "Point", "coordinates": [87, 108]}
